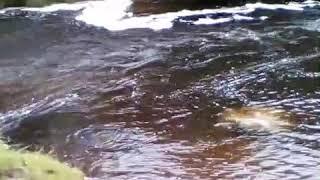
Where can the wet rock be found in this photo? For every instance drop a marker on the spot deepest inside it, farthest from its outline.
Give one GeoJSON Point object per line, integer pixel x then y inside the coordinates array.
{"type": "Point", "coordinates": [259, 118]}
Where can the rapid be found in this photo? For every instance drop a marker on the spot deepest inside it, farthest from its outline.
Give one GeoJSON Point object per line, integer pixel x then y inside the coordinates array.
{"type": "Point", "coordinates": [127, 95]}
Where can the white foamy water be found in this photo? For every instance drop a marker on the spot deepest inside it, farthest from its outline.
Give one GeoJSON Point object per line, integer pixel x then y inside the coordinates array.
{"type": "Point", "coordinates": [121, 18]}
{"type": "Point", "coordinates": [115, 15]}
{"type": "Point", "coordinates": [52, 8]}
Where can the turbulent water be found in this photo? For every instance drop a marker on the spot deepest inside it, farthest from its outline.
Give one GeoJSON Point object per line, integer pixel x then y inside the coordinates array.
{"type": "Point", "coordinates": [126, 96]}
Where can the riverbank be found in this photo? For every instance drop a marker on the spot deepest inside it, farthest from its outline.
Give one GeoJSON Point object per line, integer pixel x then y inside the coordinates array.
{"type": "Point", "coordinates": [33, 166]}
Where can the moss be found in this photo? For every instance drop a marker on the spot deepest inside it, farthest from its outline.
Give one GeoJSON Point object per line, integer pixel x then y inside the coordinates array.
{"type": "Point", "coordinates": [21, 165]}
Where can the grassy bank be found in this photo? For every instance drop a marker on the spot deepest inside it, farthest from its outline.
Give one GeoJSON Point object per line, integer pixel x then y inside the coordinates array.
{"type": "Point", "coordinates": [22, 165]}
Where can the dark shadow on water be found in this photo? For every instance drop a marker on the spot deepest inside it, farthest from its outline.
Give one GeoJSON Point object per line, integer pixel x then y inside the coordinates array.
{"type": "Point", "coordinates": [36, 3]}
{"type": "Point", "coordinates": [51, 128]}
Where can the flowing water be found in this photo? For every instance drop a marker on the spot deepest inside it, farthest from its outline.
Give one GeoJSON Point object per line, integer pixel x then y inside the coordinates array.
{"type": "Point", "coordinates": [140, 96]}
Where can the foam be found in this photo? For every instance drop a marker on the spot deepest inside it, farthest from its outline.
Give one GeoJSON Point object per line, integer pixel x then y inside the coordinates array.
{"type": "Point", "coordinates": [51, 8]}
{"type": "Point", "coordinates": [60, 7]}
{"type": "Point", "coordinates": [121, 19]}
{"type": "Point", "coordinates": [116, 16]}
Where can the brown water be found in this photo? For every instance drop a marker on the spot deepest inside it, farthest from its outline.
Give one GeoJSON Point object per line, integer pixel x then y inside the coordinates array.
{"type": "Point", "coordinates": [143, 104]}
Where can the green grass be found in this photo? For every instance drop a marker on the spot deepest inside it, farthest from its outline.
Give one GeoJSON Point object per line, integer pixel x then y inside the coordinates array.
{"type": "Point", "coordinates": [23, 165]}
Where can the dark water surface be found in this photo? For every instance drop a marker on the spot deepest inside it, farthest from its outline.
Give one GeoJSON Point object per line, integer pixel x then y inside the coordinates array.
{"type": "Point", "coordinates": [144, 104]}
{"type": "Point", "coordinates": [32, 3]}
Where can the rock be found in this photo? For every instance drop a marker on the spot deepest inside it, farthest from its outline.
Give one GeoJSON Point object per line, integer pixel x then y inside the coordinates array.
{"type": "Point", "coordinates": [259, 118]}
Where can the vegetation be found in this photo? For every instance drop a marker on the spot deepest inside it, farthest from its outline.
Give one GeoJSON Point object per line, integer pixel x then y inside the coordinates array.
{"type": "Point", "coordinates": [24, 165]}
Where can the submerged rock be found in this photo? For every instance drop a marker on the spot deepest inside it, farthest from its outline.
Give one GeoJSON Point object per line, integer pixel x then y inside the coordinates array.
{"type": "Point", "coordinates": [21, 165]}
{"type": "Point", "coordinates": [258, 118]}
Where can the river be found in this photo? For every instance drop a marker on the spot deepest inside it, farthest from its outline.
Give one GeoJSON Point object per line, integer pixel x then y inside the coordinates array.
{"type": "Point", "coordinates": [137, 93]}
